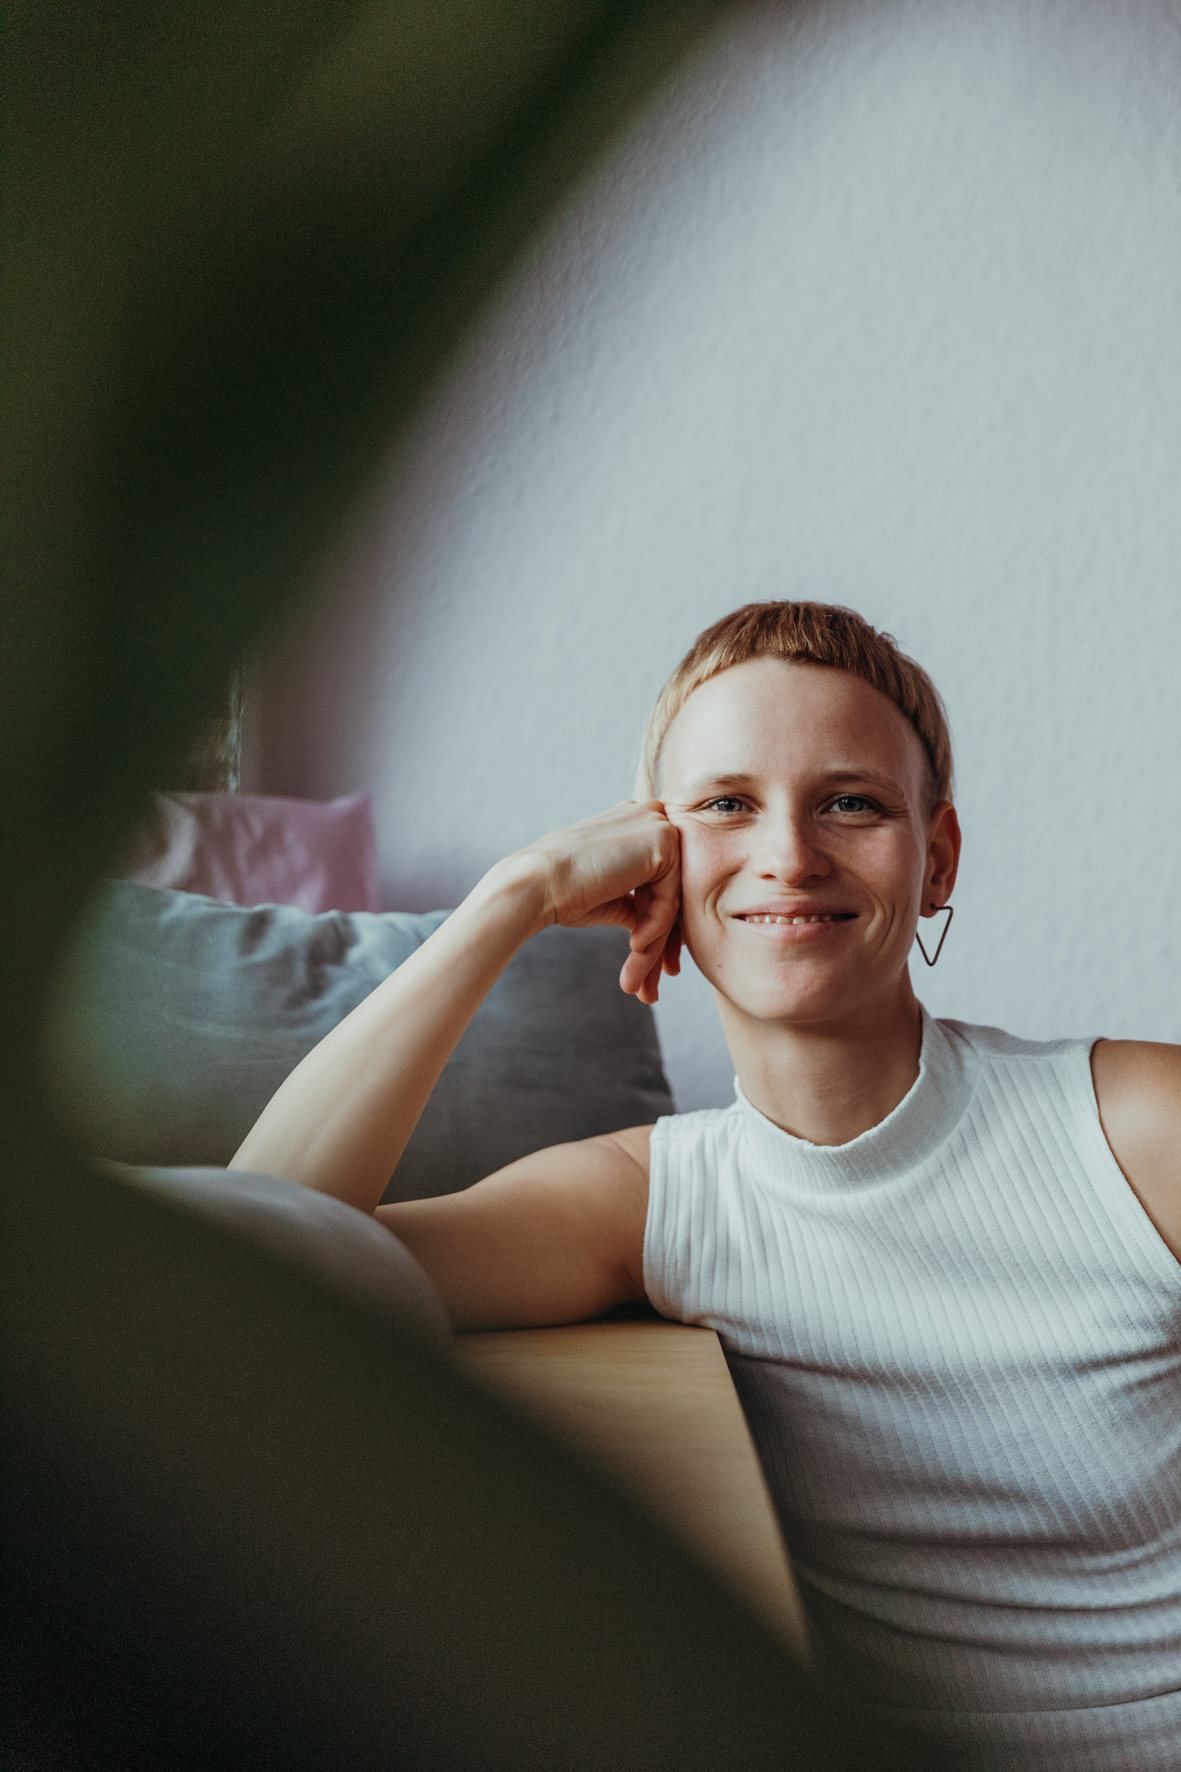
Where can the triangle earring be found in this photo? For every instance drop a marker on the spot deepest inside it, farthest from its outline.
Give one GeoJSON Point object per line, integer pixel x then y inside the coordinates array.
{"type": "Point", "coordinates": [930, 959]}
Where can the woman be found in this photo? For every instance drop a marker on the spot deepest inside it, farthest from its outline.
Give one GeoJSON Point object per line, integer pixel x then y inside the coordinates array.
{"type": "Point", "coordinates": [943, 1262]}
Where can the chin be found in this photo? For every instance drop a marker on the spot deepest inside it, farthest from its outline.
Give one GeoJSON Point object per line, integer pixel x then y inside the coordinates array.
{"type": "Point", "coordinates": [795, 1009]}
{"type": "Point", "coordinates": [802, 993]}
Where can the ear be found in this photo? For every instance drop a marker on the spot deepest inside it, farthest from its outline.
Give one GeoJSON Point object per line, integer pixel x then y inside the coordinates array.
{"type": "Point", "coordinates": [943, 857]}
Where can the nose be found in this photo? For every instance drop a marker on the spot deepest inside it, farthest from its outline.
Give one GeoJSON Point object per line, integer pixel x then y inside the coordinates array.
{"type": "Point", "coordinates": [789, 849]}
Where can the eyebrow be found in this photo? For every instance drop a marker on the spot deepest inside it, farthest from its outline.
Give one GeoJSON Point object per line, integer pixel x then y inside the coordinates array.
{"type": "Point", "coordinates": [871, 775]}
{"type": "Point", "coordinates": [834, 777]}
{"type": "Point", "coordinates": [700, 782]}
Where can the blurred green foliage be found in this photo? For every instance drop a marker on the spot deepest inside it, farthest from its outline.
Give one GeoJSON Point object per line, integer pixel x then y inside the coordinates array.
{"type": "Point", "coordinates": [248, 1526]}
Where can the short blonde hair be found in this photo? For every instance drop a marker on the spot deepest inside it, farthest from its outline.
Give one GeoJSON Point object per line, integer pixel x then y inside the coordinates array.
{"type": "Point", "coordinates": [805, 633]}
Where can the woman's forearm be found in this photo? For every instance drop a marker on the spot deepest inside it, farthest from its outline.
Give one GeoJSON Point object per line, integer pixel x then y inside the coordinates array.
{"type": "Point", "coordinates": [344, 1116]}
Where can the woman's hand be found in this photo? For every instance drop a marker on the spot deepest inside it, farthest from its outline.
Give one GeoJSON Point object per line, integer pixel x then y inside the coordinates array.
{"type": "Point", "coordinates": [621, 867]}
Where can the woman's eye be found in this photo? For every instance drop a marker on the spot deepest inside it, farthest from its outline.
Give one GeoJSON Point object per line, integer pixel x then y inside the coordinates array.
{"type": "Point", "coordinates": [853, 803]}
{"type": "Point", "coordinates": [727, 803]}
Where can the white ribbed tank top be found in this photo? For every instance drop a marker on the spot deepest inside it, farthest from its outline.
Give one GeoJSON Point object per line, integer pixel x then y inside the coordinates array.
{"type": "Point", "coordinates": [958, 1343]}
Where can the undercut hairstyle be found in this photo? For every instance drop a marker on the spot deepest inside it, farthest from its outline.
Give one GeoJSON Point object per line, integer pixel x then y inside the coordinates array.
{"type": "Point", "coordinates": [805, 633]}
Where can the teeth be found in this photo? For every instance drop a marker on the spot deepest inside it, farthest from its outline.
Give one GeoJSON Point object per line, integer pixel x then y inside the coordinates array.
{"type": "Point", "coordinates": [792, 920]}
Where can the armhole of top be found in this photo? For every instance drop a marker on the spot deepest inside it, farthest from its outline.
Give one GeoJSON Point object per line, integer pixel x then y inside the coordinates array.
{"type": "Point", "coordinates": [655, 1239]}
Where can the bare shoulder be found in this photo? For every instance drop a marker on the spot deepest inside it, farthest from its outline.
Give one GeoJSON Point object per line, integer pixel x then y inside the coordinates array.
{"type": "Point", "coordinates": [1138, 1091]}
{"type": "Point", "coordinates": [1138, 1088]}
{"type": "Point", "coordinates": [635, 1145]}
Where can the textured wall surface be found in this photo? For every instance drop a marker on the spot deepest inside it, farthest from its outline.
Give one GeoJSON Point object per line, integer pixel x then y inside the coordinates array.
{"type": "Point", "coordinates": [880, 305]}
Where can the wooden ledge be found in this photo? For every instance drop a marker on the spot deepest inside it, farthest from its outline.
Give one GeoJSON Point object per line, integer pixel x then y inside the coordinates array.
{"type": "Point", "coordinates": [652, 1403]}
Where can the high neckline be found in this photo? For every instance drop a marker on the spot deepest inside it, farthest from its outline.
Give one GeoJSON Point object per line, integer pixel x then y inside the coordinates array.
{"type": "Point", "coordinates": [923, 1119]}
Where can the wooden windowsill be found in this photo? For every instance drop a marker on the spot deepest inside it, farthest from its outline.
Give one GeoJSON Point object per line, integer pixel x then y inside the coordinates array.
{"type": "Point", "coordinates": [652, 1403]}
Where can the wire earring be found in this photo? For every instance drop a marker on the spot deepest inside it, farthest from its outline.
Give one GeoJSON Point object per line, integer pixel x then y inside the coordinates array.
{"type": "Point", "coordinates": [939, 949]}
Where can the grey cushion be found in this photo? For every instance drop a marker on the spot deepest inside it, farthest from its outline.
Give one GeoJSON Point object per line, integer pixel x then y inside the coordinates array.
{"type": "Point", "coordinates": [337, 1244]}
{"type": "Point", "coordinates": [178, 1017]}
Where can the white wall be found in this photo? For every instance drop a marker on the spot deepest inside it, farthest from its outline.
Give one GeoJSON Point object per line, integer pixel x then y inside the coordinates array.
{"type": "Point", "coordinates": [879, 305]}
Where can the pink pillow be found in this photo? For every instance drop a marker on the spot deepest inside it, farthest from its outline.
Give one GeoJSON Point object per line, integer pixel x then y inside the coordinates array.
{"type": "Point", "coordinates": [260, 849]}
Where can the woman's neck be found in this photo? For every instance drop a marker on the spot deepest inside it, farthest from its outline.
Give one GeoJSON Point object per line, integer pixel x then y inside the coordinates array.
{"type": "Point", "coordinates": [828, 1082]}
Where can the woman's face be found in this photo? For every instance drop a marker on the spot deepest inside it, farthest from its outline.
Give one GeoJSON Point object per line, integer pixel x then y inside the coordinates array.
{"type": "Point", "coordinates": [807, 844]}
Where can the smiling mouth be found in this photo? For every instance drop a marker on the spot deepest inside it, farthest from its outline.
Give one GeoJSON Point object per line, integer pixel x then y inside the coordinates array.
{"type": "Point", "coordinates": [814, 917]}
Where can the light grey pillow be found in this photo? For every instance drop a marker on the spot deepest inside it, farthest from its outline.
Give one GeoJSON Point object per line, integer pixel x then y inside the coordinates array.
{"type": "Point", "coordinates": [336, 1244]}
{"type": "Point", "coordinates": [178, 1017]}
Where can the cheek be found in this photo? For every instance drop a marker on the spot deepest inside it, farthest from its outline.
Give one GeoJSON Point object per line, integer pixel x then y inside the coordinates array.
{"type": "Point", "coordinates": [893, 868]}
{"type": "Point", "coordinates": [708, 859]}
